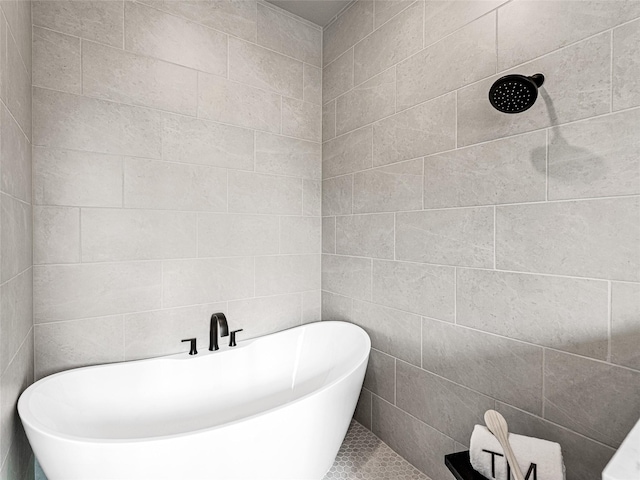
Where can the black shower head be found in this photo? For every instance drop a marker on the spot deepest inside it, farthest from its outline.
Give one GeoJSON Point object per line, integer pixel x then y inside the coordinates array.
{"type": "Point", "coordinates": [515, 93]}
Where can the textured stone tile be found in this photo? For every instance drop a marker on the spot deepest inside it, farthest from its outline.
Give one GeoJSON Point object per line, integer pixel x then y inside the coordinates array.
{"type": "Point", "coordinates": [15, 158]}
{"type": "Point", "coordinates": [158, 333]}
{"type": "Point", "coordinates": [337, 77]}
{"type": "Point", "coordinates": [263, 68]}
{"type": "Point", "coordinates": [564, 313]}
{"type": "Point", "coordinates": [440, 403]}
{"type": "Point", "coordinates": [381, 375]}
{"type": "Point", "coordinates": [422, 130]}
{"type": "Point", "coordinates": [311, 198]}
{"type": "Point", "coordinates": [287, 274]}
{"type": "Point", "coordinates": [595, 399]}
{"type": "Point", "coordinates": [388, 189]}
{"type": "Point", "coordinates": [389, 44]}
{"type": "Point", "coordinates": [154, 33]}
{"type": "Point", "coordinates": [348, 276]}
{"type": "Point", "coordinates": [104, 344]}
{"type": "Point", "coordinates": [584, 458]}
{"type": "Point", "coordinates": [528, 29]}
{"type": "Point", "coordinates": [442, 18]}
{"type": "Point", "coordinates": [18, 16]}
{"type": "Point", "coordinates": [66, 292]}
{"type": "Point", "coordinates": [365, 235]}
{"type": "Point", "coordinates": [113, 74]}
{"type": "Point", "coordinates": [312, 89]}
{"type": "Point", "coordinates": [385, 10]}
{"type": "Point", "coordinates": [301, 119]}
{"type": "Point", "coordinates": [15, 237]}
{"type": "Point", "coordinates": [300, 235]}
{"type": "Point", "coordinates": [431, 72]}
{"type": "Point", "coordinates": [337, 194]}
{"type": "Point", "coordinates": [328, 121]}
{"type": "Point", "coordinates": [569, 94]}
{"type": "Point", "coordinates": [366, 103]}
{"type": "Point", "coordinates": [79, 123]}
{"type": "Point", "coordinates": [625, 324]}
{"type": "Point", "coordinates": [282, 33]}
{"type": "Point", "coordinates": [230, 235]}
{"type": "Point", "coordinates": [230, 16]}
{"type": "Point", "coordinates": [336, 307]}
{"type": "Point", "coordinates": [595, 238]}
{"type": "Point", "coordinates": [189, 282]}
{"type": "Point", "coordinates": [349, 28]}
{"type": "Point", "coordinates": [422, 289]}
{"type": "Point", "coordinates": [362, 414]}
{"type": "Point", "coordinates": [391, 331]}
{"type": "Point", "coordinates": [328, 234]}
{"type": "Point", "coordinates": [495, 366]}
{"type": "Point", "coordinates": [347, 153]}
{"type": "Point", "coordinates": [595, 158]}
{"type": "Point", "coordinates": [173, 186]}
{"type": "Point", "coordinates": [258, 193]}
{"type": "Point", "coordinates": [461, 237]}
{"type": "Point", "coordinates": [16, 314]}
{"type": "Point", "coordinates": [16, 92]}
{"type": "Point", "coordinates": [287, 156]}
{"type": "Point", "coordinates": [56, 61]}
{"type": "Point", "coordinates": [229, 102]}
{"type": "Point", "coordinates": [94, 20]}
{"type": "Point", "coordinates": [311, 306]}
{"type": "Point", "coordinates": [118, 235]}
{"type": "Point", "coordinates": [626, 66]}
{"type": "Point", "coordinates": [509, 170]}
{"type": "Point", "coordinates": [261, 316]}
{"type": "Point", "coordinates": [420, 444]}
{"type": "Point", "coordinates": [190, 140]}
{"type": "Point", "coordinates": [56, 235]}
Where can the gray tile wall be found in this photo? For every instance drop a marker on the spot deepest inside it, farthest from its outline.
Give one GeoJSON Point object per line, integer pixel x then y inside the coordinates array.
{"type": "Point", "coordinates": [177, 172]}
{"type": "Point", "coordinates": [16, 265]}
{"type": "Point", "coordinates": [494, 259]}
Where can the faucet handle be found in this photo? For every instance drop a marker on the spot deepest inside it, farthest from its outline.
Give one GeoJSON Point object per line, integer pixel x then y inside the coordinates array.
{"type": "Point", "coordinates": [232, 340]}
{"type": "Point", "coordinates": [193, 341]}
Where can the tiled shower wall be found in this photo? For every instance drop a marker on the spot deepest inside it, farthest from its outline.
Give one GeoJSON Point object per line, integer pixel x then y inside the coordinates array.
{"type": "Point", "coordinates": [177, 172]}
{"type": "Point", "coordinates": [16, 313]}
{"type": "Point", "coordinates": [494, 259]}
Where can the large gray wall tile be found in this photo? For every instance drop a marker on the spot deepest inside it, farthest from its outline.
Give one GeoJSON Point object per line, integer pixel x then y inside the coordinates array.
{"type": "Point", "coordinates": [336, 307]}
{"type": "Point", "coordinates": [287, 156]}
{"type": "Point", "coordinates": [174, 186]}
{"type": "Point", "coordinates": [492, 365]}
{"type": "Point", "coordinates": [15, 158]}
{"type": "Point", "coordinates": [568, 94]}
{"type": "Point", "coordinates": [462, 237]}
{"type": "Point", "coordinates": [16, 89]}
{"type": "Point", "coordinates": [16, 250]}
{"type": "Point", "coordinates": [626, 66]}
{"type": "Point", "coordinates": [300, 235]}
{"type": "Point", "coordinates": [312, 89]}
{"type": "Point", "coordinates": [337, 77]}
{"type": "Point", "coordinates": [113, 74]}
{"type": "Point", "coordinates": [598, 400]}
{"type": "Point", "coordinates": [362, 415]}
{"type": "Point", "coordinates": [595, 158]}
{"type": "Point", "coordinates": [564, 313]}
{"type": "Point", "coordinates": [388, 189]}
{"type": "Point", "coordinates": [594, 238]}
{"type": "Point", "coordinates": [349, 276]}
{"type": "Point", "coordinates": [328, 234]}
{"type": "Point", "coordinates": [279, 274]}
{"type": "Point", "coordinates": [509, 170]}
{"type": "Point", "coordinates": [263, 68]}
{"type": "Point", "coordinates": [66, 292]}
{"type": "Point", "coordinates": [352, 26]}
{"type": "Point", "coordinates": [311, 198]}
{"type": "Point", "coordinates": [444, 405]}
{"type": "Point", "coordinates": [56, 235]}
{"type": "Point", "coordinates": [348, 153]}
{"type": "Point", "coordinates": [365, 235]}
{"type": "Point", "coordinates": [423, 289]}
{"type": "Point", "coordinates": [366, 103]}
{"type": "Point", "coordinates": [328, 121]}
{"type": "Point", "coordinates": [67, 177]}
{"type": "Point", "coordinates": [56, 61]}
{"type": "Point", "coordinates": [222, 235]}
{"type": "Point", "coordinates": [258, 193]}
{"type": "Point", "coordinates": [422, 130]}
{"type": "Point", "coordinates": [337, 195]}
{"type": "Point", "coordinates": [16, 314]}
{"type": "Point", "coordinates": [282, 33]}
{"type": "Point", "coordinates": [380, 377]}
{"type": "Point", "coordinates": [261, 316]}
{"type": "Point", "coordinates": [389, 44]}
{"type": "Point", "coordinates": [301, 119]}
{"type": "Point", "coordinates": [312, 306]}
{"type": "Point", "coordinates": [391, 331]}
{"type": "Point", "coordinates": [69, 121]}
{"type": "Point", "coordinates": [432, 72]}
{"type": "Point", "coordinates": [625, 324]}
{"type": "Point", "coordinates": [385, 10]}
{"type": "Point", "coordinates": [154, 33]}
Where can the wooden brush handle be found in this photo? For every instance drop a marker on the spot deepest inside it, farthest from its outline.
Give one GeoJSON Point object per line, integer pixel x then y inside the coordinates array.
{"type": "Point", "coordinates": [498, 426]}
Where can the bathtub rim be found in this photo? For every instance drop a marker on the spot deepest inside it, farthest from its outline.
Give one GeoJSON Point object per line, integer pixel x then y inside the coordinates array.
{"type": "Point", "coordinates": [44, 430]}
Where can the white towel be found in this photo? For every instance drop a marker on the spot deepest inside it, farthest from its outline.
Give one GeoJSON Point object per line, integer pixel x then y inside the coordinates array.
{"type": "Point", "coordinates": [538, 459]}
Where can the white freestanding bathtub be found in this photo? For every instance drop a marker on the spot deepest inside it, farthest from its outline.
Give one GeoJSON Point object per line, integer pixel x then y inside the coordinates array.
{"type": "Point", "coordinates": [275, 407]}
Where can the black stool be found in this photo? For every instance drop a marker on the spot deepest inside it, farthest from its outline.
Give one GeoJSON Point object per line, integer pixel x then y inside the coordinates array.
{"type": "Point", "coordinates": [461, 468]}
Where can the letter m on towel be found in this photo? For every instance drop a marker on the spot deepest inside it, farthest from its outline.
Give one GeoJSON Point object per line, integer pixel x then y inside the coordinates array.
{"type": "Point", "coordinates": [533, 468]}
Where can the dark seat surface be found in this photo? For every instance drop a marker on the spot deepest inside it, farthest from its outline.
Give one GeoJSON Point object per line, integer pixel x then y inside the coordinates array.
{"type": "Point", "coordinates": [460, 466]}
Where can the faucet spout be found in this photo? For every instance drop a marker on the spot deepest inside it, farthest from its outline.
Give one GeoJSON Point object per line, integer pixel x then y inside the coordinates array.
{"type": "Point", "coordinates": [218, 326]}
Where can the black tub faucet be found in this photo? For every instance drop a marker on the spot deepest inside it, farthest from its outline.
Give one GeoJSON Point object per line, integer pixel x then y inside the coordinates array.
{"type": "Point", "coordinates": [217, 320]}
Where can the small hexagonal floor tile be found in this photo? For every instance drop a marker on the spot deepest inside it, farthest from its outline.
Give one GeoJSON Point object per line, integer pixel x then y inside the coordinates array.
{"type": "Point", "coordinates": [364, 456]}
